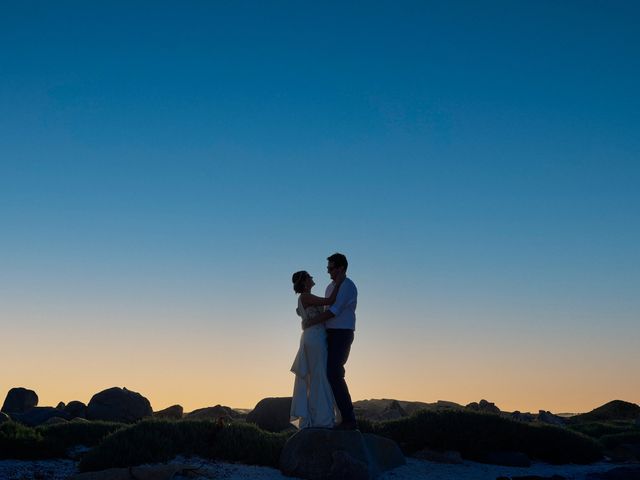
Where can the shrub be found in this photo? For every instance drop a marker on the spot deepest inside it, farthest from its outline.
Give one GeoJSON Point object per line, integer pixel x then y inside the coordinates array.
{"type": "Point", "coordinates": [151, 441]}
{"type": "Point", "coordinates": [18, 441]}
{"type": "Point", "coordinates": [246, 443]}
{"type": "Point", "coordinates": [65, 435]}
{"type": "Point", "coordinates": [599, 429]}
{"type": "Point", "coordinates": [476, 434]}
{"type": "Point", "coordinates": [612, 441]}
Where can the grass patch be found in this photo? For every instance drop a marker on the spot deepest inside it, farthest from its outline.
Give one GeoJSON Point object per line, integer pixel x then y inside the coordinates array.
{"type": "Point", "coordinates": [476, 434]}
{"type": "Point", "coordinates": [20, 442]}
{"type": "Point", "coordinates": [153, 441]}
{"type": "Point", "coordinates": [89, 434]}
{"type": "Point", "coordinates": [600, 429]}
{"type": "Point", "coordinates": [612, 441]}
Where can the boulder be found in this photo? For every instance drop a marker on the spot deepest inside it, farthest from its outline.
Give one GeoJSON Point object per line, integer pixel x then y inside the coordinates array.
{"type": "Point", "coordinates": [551, 419]}
{"type": "Point", "coordinates": [522, 417]}
{"type": "Point", "coordinates": [213, 413]}
{"type": "Point", "coordinates": [38, 415]}
{"type": "Point", "coordinates": [118, 405]}
{"type": "Point", "coordinates": [272, 414]}
{"type": "Point", "coordinates": [19, 400]}
{"type": "Point", "coordinates": [76, 409]}
{"type": "Point", "coordinates": [60, 406]}
{"type": "Point", "coordinates": [4, 417]}
{"type": "Point", "coordinates": [320, 453]}
{"type": "Point", "coordinates": [173, 412]}
{"type": "Point", "coordinates": [483, 406]}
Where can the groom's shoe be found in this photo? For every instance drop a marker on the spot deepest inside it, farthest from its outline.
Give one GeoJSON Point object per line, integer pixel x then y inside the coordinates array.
{"type": "Point", "coordinates": [347, 425]}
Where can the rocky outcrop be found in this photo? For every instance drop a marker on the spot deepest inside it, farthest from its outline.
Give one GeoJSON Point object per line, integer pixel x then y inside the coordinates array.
{"type": "Point", "coordinates": [38, 415]}
{"type": "Point", "coordinates": [76, 409]}
{"type": "Point", "coordinates": [525, 417]}
{"type": "Point", "coordinates": [118, 405]}
{"type": "Point", "coordinates": [272, 414]}
{"type": "Point", "coordinates": [319, 453]}
{"type": "Point", "coordinates": [483, 406]}
{"type": "Point", "coordinates": [173, 412]}
{"type": "Point", "coordinates": [19, 400]}
{"type": "Point", "coordinates": [550, 418]}
{"type": "Point", "coordinates": [213, 413]}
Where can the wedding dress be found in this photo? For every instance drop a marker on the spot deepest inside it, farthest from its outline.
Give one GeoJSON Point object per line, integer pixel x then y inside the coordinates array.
{"type": "Point", "coordinates": [313, 404]}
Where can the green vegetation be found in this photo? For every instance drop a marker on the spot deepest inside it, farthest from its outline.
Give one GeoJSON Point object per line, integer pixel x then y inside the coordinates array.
{"type": "Point", "coordinates": [599, 429]}
{"type": "Point", "coordinates": [152, 441]}
{"type": "Point", "coordinates": [18, 441]}
{"type": "Point", "coordinates": [476, 434]}
{"type": "Point", "coordinates": [473, 434]}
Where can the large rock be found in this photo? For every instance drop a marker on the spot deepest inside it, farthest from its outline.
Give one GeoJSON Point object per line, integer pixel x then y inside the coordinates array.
{"type": "Point", "coordinates": [320, 453]}
{"type": "Point", "coordinates": [19, 400]}
{"type": "Point", "coordinates": [76, 409]}
{"type": "Point", "coordinates": [38, 416]}
{"type": "Point", "coordinates": [173, 412]}
{"type": "Point", "coordinates": [484, 407]}
{"type": "Point", "coordinates": [118, 405]}
{"type": "Point", "coordinates": [272, 414]}
{"type": "Point", "coordinates": [551, 419]}
{"type": "Point", "coordinates": [213, 413]}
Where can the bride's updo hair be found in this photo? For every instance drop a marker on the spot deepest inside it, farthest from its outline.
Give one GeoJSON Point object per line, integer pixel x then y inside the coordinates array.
{"type": "Point", "coordinates": [298, 279]}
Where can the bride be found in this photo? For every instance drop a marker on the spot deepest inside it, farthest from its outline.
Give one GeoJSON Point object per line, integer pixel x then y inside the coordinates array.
{"type": "Point", "coordinates": [313, 404]}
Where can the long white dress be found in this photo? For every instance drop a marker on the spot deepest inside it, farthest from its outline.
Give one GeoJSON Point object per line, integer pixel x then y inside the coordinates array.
{"type": "Point", "coordinates": [313, 404]}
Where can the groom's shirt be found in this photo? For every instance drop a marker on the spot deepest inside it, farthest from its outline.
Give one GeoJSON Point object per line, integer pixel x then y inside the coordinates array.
{"type": "Point", "coordinates": [344, 308]}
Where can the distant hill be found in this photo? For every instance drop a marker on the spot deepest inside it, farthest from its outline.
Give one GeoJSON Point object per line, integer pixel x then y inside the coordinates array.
{"type": "Point", "coordinates": [614, 410]}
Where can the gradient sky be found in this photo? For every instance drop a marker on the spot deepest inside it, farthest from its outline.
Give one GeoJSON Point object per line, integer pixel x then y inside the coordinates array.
{"type": "Point", "coordinates": [166, 166]}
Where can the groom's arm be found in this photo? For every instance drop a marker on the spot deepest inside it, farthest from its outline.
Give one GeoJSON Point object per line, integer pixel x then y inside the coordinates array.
{"type": "Point", "coordinates": [320, 318]}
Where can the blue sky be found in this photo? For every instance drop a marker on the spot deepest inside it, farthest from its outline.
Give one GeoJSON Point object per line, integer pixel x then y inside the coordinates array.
{"type": "Point", "coordinates": [168, 166]}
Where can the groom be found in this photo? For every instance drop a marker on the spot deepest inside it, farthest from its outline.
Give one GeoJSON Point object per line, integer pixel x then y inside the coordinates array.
{"type": "Point", "coordinates": [340, 321]}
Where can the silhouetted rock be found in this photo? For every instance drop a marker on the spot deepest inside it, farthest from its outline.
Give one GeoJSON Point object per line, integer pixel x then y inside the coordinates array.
{"type": "Point", "coordinates": [551, 419]}
{"type": "Point", "coordinates": [118, 405]}
{"type": "Point", "coordinates": [4, 417]}
{"type": "Point", "coordinates": [522, 417]}
{"type": "Point", "coordinates": [213, 413]}
{"type": "Point", "coordinates": [38, 415]}
{"type": "Point", "coordinates": [272, 414]}
{"type": "Point", "coordinates": [509, 459]}
{"type": "Point", "coordinates": [19, 400]}
{"type": "Point", "coordinates": [76, 409]}
{"type": "Point", "coordinates": [60, 406]}
{"type": "Point", "coordinates": [173, 412]}
{"type": "Point", "coordinates": [483, 406]}
{"type": "Point", "coordinates": [320, 453]}
{"type": "Point", "coordinates": [614, 410]}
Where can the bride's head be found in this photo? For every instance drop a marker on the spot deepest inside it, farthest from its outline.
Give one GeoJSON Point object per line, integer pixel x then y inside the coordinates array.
{"type": "Point", "coordinates": [302, 282]}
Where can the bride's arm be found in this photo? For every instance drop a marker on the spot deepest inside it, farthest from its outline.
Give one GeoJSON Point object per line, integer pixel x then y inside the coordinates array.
{"type": "Point", "coordinates": [310, 299]}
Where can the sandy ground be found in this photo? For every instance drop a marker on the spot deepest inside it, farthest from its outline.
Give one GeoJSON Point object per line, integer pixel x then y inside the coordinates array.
{"type": "Point", "coordinates": [415, 469]}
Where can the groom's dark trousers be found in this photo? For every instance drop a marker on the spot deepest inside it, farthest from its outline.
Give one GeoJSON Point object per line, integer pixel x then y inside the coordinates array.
{"type": "Point", "coordinates": [339, 345]}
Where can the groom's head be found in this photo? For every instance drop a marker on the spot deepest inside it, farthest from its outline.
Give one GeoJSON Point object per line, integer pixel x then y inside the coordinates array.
{"type": "Point", "coordinates": [337, 266]}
